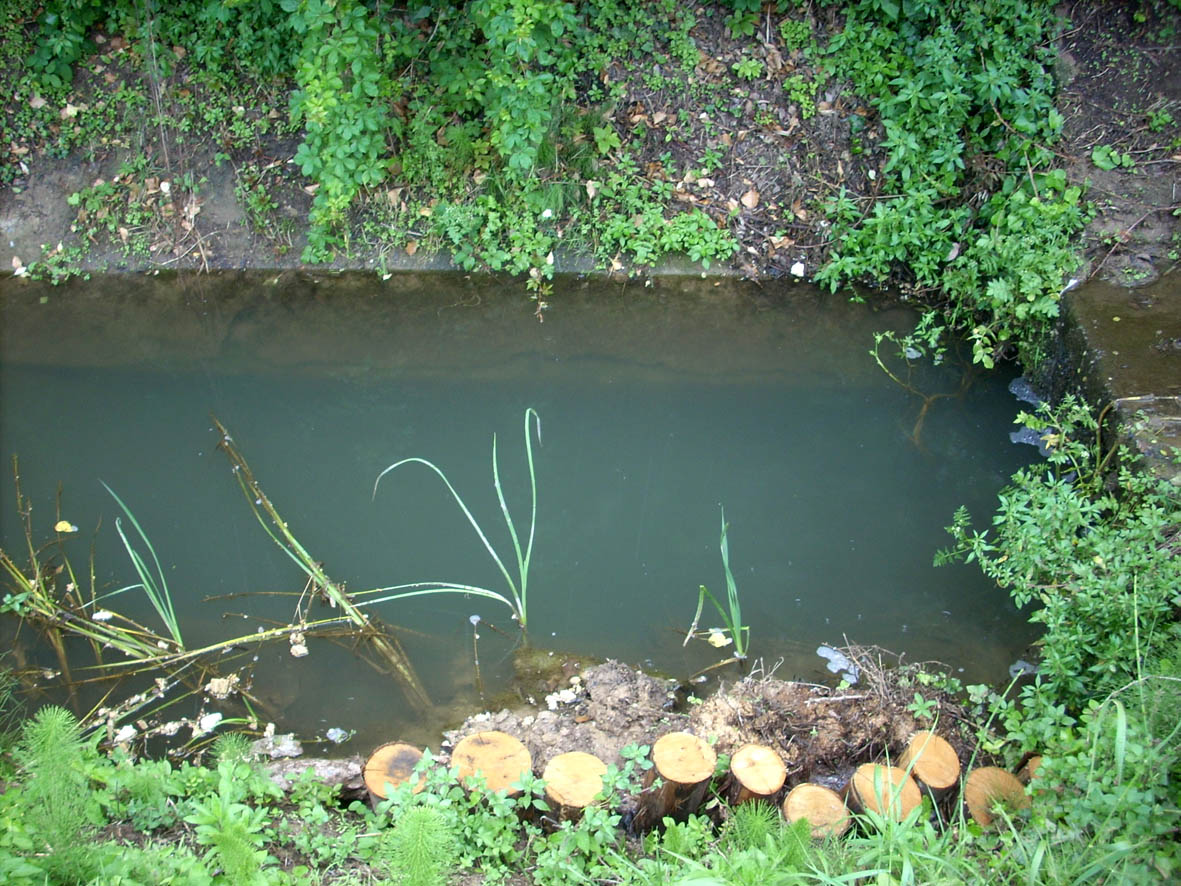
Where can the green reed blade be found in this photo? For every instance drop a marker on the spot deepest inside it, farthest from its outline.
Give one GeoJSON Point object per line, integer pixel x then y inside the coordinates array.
{"type": "Point", "coordinates": [518, 588]}
{"type": "Point", "coordinates": [155, 586]}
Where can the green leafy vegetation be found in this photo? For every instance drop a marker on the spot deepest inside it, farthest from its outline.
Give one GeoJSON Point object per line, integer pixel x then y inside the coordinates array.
{"type": "Point", "coordinates": [967, 116]}
{"type": "Point", "coordinates": [1090, 542]}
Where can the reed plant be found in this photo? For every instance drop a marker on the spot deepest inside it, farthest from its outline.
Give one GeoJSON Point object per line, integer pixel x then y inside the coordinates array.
{"type": "Point", "coordinates": [518, 586]}
{"type": "Point", "coordinates": [731, 615]}
{"type": "Point", "coordinates": [154, 585]}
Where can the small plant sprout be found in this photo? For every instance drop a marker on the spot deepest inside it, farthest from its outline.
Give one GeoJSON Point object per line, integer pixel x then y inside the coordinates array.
{"type": "Point", "coordinates": [518, 585]}
{"type": "Point", "coordinates": [733, 631]}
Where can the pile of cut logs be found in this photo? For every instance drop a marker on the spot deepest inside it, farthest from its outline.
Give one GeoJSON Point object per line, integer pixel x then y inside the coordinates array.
{"type": "Point", "coordinates": [683, 767]}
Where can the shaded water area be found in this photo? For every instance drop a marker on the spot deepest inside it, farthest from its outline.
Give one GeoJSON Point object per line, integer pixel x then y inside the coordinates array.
{"type": "Point", "coordinates": [658, 403]}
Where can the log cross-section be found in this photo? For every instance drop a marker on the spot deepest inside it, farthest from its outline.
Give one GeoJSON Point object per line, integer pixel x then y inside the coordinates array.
{"type": "Point", "coordinates": [683, 763]}
{"type": "Point", "coordinates": [572, 781]}
{"type": "Point", "coordinates": [886, 790]}
{"type": "Point", "coordinates": [822, 807]}
{"type": "Point", "coordinates": [501, 759]}
{"type": "Point", "coordinates": [756, 773]}
{"type": "Point", "coordinates": [390, 765]}
{"type": "Point", "coordinates": [932, 762]}
{"type": "Point", "coordinates": [988, 786]}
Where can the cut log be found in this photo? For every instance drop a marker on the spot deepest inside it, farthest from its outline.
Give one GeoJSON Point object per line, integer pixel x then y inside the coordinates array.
{"type": "Point", "coordinates": [986, 787]}
{"type": "Point", "coordinates": [497, 756]}
{"type": "Point", "coordinates": [572, 781]}
{"type": "Point", "coordinates": [822, 807]}
{"type": "Point", "coordinates": [390, 765]}
{"type": "Point", "coordinates": [684, 764]}
{"type": "Point", "coordinates": [932, 762]}
{"type": "Point", "coordinates": [756, 773]}
{"type": "Point", "coordinates": [886, 790]}
{"type": "Point", "coordinates": [1028, 770]}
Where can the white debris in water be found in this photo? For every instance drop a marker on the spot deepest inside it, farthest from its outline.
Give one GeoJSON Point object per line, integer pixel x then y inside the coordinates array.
{"type": "Point", "coordinates": [336, 735]}
{"type": "Point", "coordinates": [103, 615]}
{"type": "Point", "coordinates": [562, 696]}
{"type": "Point", "coordinates": [298, 650]}
{"type": "Point", "coordinates": [798, 269]}
{"type": "Point", "coordinates": [220, 687]}
{"type": "Point", "coordinates": [126, 733]}
{"type": "Point", "coordinates": [207, 723]}
{"type": "Point", "coordinates": [839, 663]}
{"type": "Point", "coordinates": [1021, 668]}
{"type": "Point", "coordinates": [276, 746]}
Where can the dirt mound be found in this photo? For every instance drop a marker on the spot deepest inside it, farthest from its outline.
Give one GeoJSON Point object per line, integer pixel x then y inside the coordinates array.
{"type": "Point", "coordinates": [821, 733]}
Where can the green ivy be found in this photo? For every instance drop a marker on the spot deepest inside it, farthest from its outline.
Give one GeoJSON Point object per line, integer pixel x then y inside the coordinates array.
{"type": "Point", "coordinates": [341, 99]}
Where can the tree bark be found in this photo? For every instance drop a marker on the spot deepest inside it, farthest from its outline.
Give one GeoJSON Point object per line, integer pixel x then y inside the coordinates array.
{"type": "Point", "coordinates": [572, 781]}
{"type": "Point", "coordinates": [684, 764]}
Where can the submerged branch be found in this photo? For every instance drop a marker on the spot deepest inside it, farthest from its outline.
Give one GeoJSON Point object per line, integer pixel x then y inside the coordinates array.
{"type": "Point", "coordinates": [390, 654]}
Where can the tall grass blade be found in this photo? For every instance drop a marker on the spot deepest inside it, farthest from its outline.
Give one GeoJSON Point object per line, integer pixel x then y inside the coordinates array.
{"type": "Point", "coordinates": [1121, 739]}
{"type": "Point", "coordinates": [154, 586]}
{"type": "Point", "coordinates": [737, 629]}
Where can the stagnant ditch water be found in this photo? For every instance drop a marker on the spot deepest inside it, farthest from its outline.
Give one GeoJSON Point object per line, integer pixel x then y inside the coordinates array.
{"type": "Point", "coordinates": [658, 404]}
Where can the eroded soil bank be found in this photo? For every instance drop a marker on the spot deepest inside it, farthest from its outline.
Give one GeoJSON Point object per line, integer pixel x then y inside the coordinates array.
{"type": "Point", "coordinates": [784, 154]}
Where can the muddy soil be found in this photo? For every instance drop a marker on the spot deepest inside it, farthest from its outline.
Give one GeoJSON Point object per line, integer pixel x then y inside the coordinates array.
{"type": "Point", "coordinates": [778, 156]}
{"type": "Point", "coordinates": [1122, 89]}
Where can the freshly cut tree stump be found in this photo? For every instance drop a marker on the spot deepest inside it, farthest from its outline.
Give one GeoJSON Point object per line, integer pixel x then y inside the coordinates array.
{"type": "Point", "coordinates": [986, 787]}
{"type": "Point", "coordinates": [822, 807]}
{"type": "Point", "coordinates": [1028, 770]}
{"type": "Point", "coordinates": [389, 766]}
{"type": "Point", "coordinates": [756, 773]}
{"type": "Point", "coordinates": [572, 781]}
{"type": "Point", "coordinates": [886, 790]}
{"type": "Point", "coordinates": [684, 764]}
{"type": "Point", "coordinates": [499, 757]}
{"type": "Point", "coordinates": [932, 762]}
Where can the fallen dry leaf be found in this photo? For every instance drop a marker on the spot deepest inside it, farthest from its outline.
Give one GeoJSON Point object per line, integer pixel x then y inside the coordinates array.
{"type": "Point", "coordinates": [750, 199]}
{"type": "Point", "coordinates": [411, 247]}
{"type": "Point", "coordinates": [37, 102]}
{"type": "Point", "coordinates": [592, 188]}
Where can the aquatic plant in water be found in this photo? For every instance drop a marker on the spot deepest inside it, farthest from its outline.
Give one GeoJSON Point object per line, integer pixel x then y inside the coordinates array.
{"type": "Point", "coordinates": [518, 587]}
{"type": "Point", "coordinates": [734, 631]}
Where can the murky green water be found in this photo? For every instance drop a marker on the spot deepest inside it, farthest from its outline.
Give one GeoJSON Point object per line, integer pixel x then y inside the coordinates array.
{"type": "Point", "coordinates": [657, 404]}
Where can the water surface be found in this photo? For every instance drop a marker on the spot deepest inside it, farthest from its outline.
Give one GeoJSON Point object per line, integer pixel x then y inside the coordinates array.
{"type": "Point", "coordinates": [658, 405]}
